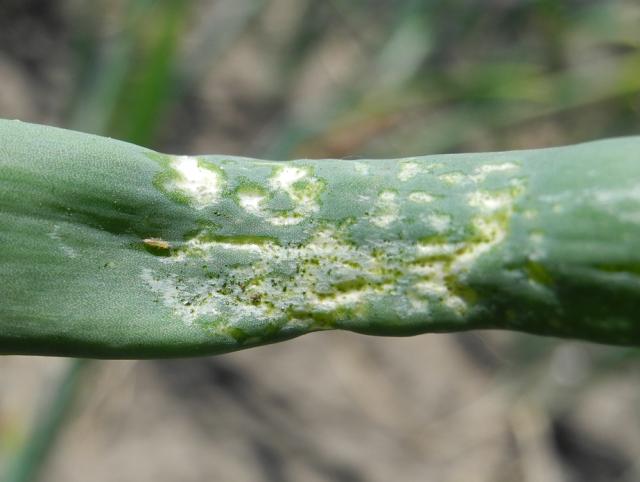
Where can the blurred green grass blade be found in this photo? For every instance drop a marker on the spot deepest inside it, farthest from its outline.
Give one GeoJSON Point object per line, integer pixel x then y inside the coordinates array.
{"type": "Point", "coordinates": [223, 26]}
{"type": "Point", "coordinates": [378, 65]}
{"type": "Point", "coordinates": [26, 466]}
{"type": "Point", "coordinates": [150, 83]}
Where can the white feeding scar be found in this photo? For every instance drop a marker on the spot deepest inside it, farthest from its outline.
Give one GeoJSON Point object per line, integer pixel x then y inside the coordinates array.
{"type": "Point", "coordinates": [202, 185]}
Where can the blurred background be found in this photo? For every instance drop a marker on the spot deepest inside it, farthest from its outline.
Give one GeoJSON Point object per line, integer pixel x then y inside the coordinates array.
{"type": "Point", "coordinates": [333, 78]}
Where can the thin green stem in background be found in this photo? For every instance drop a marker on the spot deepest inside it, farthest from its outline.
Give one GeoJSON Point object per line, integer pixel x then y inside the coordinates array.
{"type": "Point", "coordinates": [32, 456]}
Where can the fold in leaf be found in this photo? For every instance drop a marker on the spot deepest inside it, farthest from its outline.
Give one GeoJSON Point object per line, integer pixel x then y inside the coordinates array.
{"type": "Point", "coordinates": [111, 250]}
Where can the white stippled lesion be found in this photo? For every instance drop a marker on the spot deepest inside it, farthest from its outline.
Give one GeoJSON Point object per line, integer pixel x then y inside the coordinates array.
{"type": "Point", "coordinates": [327, 277]}
{"type": "Point", "coordinates": [431, 249]}
{"type": "Point", "coordinates": [408, 170]}
{"type": "Point", "coordinates": [55, 235]}
{"type": "Point", "coordinates": [421, 197]}
{"type": "Point", "coordinates": [441, 261]}
{"type": "Point", "coordinates": [177, 294]}
{"type": "Point", "coordinates": [298, 183]}
{"type": "Point", "coordinates": [325, 274]}
{"type": "Point", "coordinates": [285, 177]}
{"type": "Point", "coordinates": [490, 201]}
{"type": "Point", "coordinates": [489, 232]}
{"type": "Point", "coordinates": [439, 222]}
{"type": "Point", "coordinates": [202, 247]}
{"type": "Point", "coordinates": [453, 178]}
{"type": "Point", "coordinates": [441, 266]}
{"type": "Point", "coordinates": [252, 202]}
{"type": "Point", "coordinates": [303, 190]}
{"type": "Point", "coordinates": [386, 209]}
{"type": "Point", "coordinates": [199, 181]}
{"type": "Point", "coordinates": [478, 174]}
